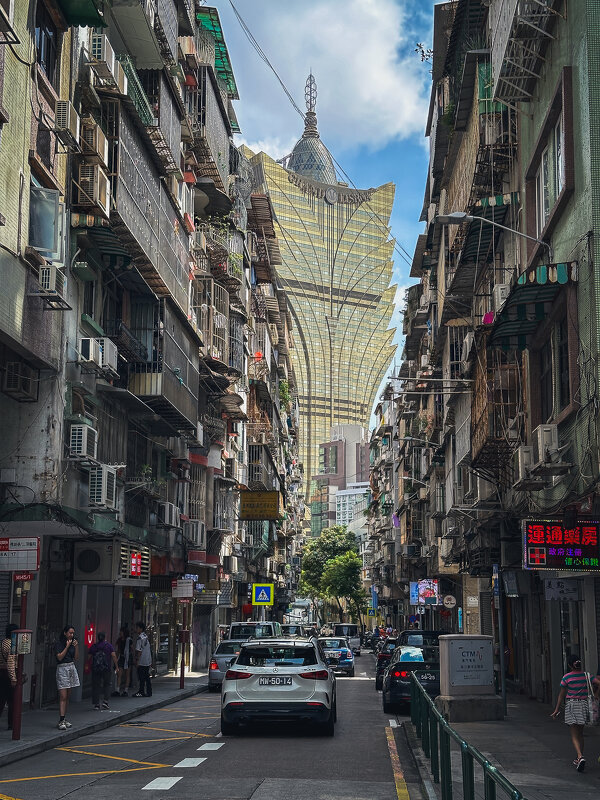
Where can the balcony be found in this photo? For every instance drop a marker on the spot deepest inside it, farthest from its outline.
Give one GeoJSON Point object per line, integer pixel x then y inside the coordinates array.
{"type": "Point", "coordinates": [211, 127]}
{"type": "Point", "coordinates": [496, 395]}
{"type": "Point", "coordinates": [168, 381]}
{"type": "Point", "coordinates": [128, 345]}
{"type": "Point", "coordinates": [136, 20]}
{"type": "Point", "coordinates": [224, 249]}
{"type": "Point", "coordinates": [261, 470]}
{"type": "Point", "coordinates": [223, 508]}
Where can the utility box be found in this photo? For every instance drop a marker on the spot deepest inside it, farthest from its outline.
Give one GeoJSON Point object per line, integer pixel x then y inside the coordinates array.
{"type": "Point", "coordinates": [467, 679]}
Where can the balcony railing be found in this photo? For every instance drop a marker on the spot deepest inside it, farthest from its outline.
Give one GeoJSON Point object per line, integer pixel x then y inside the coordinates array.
{"type": "Point", "coordinates": [135, 91]}
{"type": "Point", "coordinates": [128, 345]}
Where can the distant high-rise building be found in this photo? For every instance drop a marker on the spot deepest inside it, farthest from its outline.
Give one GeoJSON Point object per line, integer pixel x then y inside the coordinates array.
{"type": "Point", "coordinates": [337, 266]}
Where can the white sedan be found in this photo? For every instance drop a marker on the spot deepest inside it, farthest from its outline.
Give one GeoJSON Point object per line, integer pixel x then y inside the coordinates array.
{"type": "Point", "coordinates": [279, 680]}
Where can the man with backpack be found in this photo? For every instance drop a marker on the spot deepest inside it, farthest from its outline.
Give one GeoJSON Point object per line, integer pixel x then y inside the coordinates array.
{"type": "Point", "coordinates": [102, 654]}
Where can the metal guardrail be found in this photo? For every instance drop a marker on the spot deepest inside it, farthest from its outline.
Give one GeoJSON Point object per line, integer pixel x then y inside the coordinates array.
{"type": "Point", "coordinates": [435, 734]}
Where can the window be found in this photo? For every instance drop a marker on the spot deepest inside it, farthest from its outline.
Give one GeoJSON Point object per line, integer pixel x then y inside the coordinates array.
{"type": "Point", "coordinates": [546, 389]}
{"type": "Point", "coordinates": [46, 42]}
{"type": "Point", "coordinates": [542, 193]}
{"type": "Point", "coordinates": [88, 298]}
{"type": "Point", "coordinates": [559, 160]}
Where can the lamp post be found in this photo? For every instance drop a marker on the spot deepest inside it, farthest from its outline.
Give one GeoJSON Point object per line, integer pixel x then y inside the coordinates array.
{"type": "Point", "coordinates": [458, 217]}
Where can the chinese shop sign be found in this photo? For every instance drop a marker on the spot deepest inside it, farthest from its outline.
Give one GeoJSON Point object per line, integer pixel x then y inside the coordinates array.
{"type": "Point", "coordinates": [548, 544]}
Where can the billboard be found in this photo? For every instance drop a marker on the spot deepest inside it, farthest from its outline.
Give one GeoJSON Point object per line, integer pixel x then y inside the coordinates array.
{"type": "Point", "coordinates": [261, 505]}
{"type": "Point", "coordinates": [424, 592]}
{"type": "Point", "coordinates": [548, 544]}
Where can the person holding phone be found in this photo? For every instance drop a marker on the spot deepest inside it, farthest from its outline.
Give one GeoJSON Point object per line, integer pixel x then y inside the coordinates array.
{"type": "Point", "coordinates": [67, 652]}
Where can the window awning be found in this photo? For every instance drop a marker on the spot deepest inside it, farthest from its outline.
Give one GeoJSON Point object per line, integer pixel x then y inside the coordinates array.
{"type": "Point", "coordinates": [82, 12]}
{"type": "Point", "coordinates": [529, 302]}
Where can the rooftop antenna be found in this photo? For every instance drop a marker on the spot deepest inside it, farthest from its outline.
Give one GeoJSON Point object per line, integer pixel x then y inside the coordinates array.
{"type": "Point", "coordinates": [310, 93]}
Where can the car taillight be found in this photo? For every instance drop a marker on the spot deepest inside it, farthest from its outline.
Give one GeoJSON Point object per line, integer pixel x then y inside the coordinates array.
{"type": "Point", "coordinates": [213, 665]}
{"type": "Point", "coordinates": [236, 675]}
{"type": "Point", "coordinates": [345, 653]}
{"type": "Point", "coordinates": [398, 674]}
{"type": "Point", "coordinates": [319, 675]}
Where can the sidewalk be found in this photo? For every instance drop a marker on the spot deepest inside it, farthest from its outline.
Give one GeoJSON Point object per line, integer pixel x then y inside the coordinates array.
{"type": "Point", "coordinates": [39, 731]}
{"type": "Point", "coordinates": [533, 751]}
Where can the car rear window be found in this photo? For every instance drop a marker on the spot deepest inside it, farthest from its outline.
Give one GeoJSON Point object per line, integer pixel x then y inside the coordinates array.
{"type": "Point", "coordinates": [247, 631]}
{"type": "Point", "coordinates": [390, 646]}
{"type": "Point", "coordinates": [429, 654]}
{"type": "Point", "coordinates": [419, 638]}
{"type": "Point", "coordinates": [345, 630]}
{"type": "Point", "coordinates": [227, 649]}
{"type": "Point", "coordinates": [292, 630]}
{"type": "Point", "coordinates": [266, 656]}
{"type": "Point", "coordinates": [333, 642]}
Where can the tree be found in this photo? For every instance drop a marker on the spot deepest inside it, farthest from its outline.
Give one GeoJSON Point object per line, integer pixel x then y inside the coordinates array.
{"type": "Point", "coordinates": [341, 578]}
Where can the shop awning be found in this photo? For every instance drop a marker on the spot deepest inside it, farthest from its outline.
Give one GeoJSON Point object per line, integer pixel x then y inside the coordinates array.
{"type": "Point", "coordinates": [82, 12]}
{"type": "Point", "coordinates": [529, 303]}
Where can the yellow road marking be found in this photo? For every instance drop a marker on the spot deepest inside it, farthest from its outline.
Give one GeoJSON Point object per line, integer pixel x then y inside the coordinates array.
{"type": "Point", "coordinates": [166, 730]}
{"type": "Point", "coordinates": [113, 758]}
{"type": "Point", "coordinates": [76, 775]}
{"type": "Point", "coordinates": [6, 797]}
{"type": "Point", "coordinates": [137, 741]}
{"type": "Point", "coordinates": [401, 787]}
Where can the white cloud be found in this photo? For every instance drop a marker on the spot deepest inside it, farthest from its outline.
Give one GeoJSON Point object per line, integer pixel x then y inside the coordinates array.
{"type": "Point", "coordinates": [372, 86]}
{"type": "Point", "coordinates": [275, 146]}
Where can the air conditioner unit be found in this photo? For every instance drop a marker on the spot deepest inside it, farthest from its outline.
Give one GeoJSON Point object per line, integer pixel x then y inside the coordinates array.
{"type": "Point", "coordinates": [103, 57]}
{"type": "Point", "coordinates": [120, 78]}
{"type": "Point", "coordinates": [89, 352]}
{"type": "Point", "coordinates": [524, 461]}
{"type": "Point", "coordinates": [168, 515]}
{"type": "Point", "coordinates": [109, 355]}
{"type": "Point", "coordinates": [66, 123]}
{"type": "Point", "coordinates": [52, 280]}
{"type": "Point", "coordinates": [94, 143]}
{"type": "Point", "coordinates": [94, 188]}
{"type": "Point", "coordinates": [20, 381]}
{"type": "Point", "coordinates": [500, 294]}
{"type": "Point", "coordinates": [545, 442]}
{"type": "Point", "coordinates": [96, 562]}
{"type": "Point", "coordinates": [194, 530]}
{"type": "Point", "coordinates": [103, 487]}
{"type": "Point", "coordinates": [424, 361]}
{"type": "Point", "coordinates": [83, 441]}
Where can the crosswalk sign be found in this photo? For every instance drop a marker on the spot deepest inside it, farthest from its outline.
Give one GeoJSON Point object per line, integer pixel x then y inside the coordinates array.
{"type": "Point", "coordinates": [263, 594]}
{"type": "Point", "coordinates": [371, 612]}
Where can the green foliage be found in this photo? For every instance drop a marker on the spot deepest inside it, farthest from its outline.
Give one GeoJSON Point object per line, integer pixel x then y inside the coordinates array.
{"type": "Point", "coordinates": [331, 568]}
{"type": "Point", "coordinates": [284, 394]}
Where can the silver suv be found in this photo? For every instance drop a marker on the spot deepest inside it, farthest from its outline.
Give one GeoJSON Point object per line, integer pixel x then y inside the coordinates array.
{"type": "Point", "coordinates": [279, 680]}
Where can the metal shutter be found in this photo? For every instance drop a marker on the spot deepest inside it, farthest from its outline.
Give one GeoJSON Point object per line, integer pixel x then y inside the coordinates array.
{"type": "Point", "coordinates": [485, 613]}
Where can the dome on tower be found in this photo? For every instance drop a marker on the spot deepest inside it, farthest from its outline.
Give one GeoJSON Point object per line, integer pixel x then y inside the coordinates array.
{"type": "Point", "coordinates": [310, 157]}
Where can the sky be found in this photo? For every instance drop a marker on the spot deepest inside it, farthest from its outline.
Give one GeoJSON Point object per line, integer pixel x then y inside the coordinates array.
{"type": "Point", "coordinates": [373, 92]}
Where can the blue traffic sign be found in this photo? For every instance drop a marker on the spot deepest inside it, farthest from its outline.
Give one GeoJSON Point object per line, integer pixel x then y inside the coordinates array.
{"type": "Point", "coordinates": [262, 594]}
{"type": "Point", "coordinates": [412, 618]}
{"type": "Point", "coordinates": [371, 612]}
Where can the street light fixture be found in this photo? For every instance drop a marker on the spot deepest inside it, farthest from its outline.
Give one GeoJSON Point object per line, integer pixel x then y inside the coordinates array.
{"type": "Point", "coordinates": [458, 217]}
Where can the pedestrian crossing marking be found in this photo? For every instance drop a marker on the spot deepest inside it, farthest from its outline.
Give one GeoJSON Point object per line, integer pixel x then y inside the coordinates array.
{"type": "Point", "coordinates": [212, 746]}
{"type": "Point", "coordinates": [189, 762]}
{"type": "Point", "coordinates": [161, 783]}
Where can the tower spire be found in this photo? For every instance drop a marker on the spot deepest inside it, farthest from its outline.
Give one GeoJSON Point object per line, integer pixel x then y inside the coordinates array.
{"type": "Point", "coordinates": [310, 96]}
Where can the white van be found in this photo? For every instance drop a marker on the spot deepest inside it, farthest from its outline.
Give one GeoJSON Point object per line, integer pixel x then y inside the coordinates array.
{"type": "Point", "coordinates": [350, 632]}
{"type": "Point", "coordinates": [242, 631]}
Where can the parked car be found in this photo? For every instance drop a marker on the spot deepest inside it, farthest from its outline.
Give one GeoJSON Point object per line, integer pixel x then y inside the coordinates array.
{"type": "Point", "coordinates": [293, 629]}
{"type": "Point", "coordinates": [219, 663]}
{"type": "Point", "coordinates": [253, 630]}
{"type": "Point", "coordinates": [349, 632]}
{"type": "Point", "coordinates": [383, 659]}
{"type": "Point", "coordinates": [337, 649]}
{"type": "Point", "coordinates": [425, 661]}
{"type": "Point", "coordinates": [279, 680]}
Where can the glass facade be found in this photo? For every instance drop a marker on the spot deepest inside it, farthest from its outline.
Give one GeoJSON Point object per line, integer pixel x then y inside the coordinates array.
{"type": "Point", "coordinates": [336, 271]}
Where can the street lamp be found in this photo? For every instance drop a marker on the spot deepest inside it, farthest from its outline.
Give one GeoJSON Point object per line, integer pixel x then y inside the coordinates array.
{"type": "Point", "coordinates": [458, 217]}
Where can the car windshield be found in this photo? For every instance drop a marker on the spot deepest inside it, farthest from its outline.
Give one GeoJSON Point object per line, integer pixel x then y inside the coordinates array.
{"type": "Point", "coordinates": [248, 631]}
{"type": "Point", "coordinates": [227, 649]}
{"type": "Point", "coordinates": [281, 655]}
{"type": "Point", "coordinates": [419, 638]}
{"type": "Point", "coordinates": [345, 630]}
{"type": "Point", "coordinates": [333, 643]}
{"type": "Point", "coordinates": [292, 630]}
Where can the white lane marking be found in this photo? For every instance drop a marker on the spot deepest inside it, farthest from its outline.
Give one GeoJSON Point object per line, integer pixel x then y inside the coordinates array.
{"type": "Point", "coordinates": [161, 783]}
{"type": "Point", "coordinates": [393, 723]}
{"type": "Point", "coordinates": [189, 762]}
{"type": "Point", "coordinates": [212, 746]}
{"type": "Point", "coordinates": [219, 735]}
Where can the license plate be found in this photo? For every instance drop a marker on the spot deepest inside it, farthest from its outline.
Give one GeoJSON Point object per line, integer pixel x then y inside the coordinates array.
{"type": "Point", "coordinates": [276, 680]}
{"type": "Point", "coordinates": [333, 654]}
{"type": "Point", "coordinates": [426, 676]}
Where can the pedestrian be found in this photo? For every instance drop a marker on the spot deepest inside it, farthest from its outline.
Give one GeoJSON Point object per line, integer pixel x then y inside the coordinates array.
{"type": "Point", "coordinates": [574, 686]}
{"type": "Point", "coordinates": [124, 658]}
{"type": "Point", "coordinates": [8, 673]}
{"type": "Point", "coordinates": [143, 661]}
{"type": "Point", "coordinates": [376, 632]}
{"type": "Point", "coordinates": [102, 654]}
{"type": "Point", "coordinates": [66, 650]}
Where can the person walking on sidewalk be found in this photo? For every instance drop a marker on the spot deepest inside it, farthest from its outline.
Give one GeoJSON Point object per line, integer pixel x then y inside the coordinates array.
{"type": "Point", "coordinates": [143, 661]}
{"type": "Point", "coordinates": [102, 654]}
{"type": "Point", "coordinates": [574, 687]}
{"type": "Point", "coordinates": [8, 673]}
{"type": "Point", "coordinates": [66, 650]}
